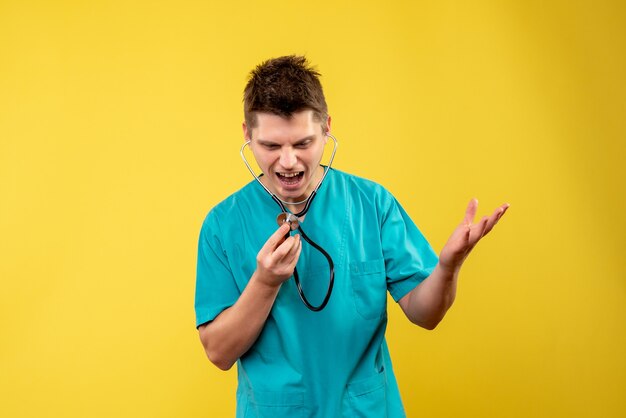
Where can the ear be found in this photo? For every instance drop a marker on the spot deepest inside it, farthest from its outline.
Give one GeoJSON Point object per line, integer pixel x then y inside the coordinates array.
{"type": "Point", "coordinates": [246, 133]}
{"type": "Point", "coordinates": [327, 129]}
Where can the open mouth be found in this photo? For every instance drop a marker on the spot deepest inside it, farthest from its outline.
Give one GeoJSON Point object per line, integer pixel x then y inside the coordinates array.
{"type": "Point", "coordinates": [290, 179]}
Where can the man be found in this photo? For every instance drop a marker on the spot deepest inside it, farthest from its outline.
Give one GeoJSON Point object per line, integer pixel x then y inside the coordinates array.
{"type": "Point", "coordinates": [294, 362]}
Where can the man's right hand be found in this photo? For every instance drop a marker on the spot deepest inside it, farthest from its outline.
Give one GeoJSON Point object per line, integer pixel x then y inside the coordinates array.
{"type": "Point", "coordinates": [236, 328]}
{"type": "Point", "coordinates": [278, 257]}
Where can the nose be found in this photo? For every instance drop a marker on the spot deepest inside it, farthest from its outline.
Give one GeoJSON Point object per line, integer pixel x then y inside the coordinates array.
{"type": "Point", "coordinates": [288, 158]}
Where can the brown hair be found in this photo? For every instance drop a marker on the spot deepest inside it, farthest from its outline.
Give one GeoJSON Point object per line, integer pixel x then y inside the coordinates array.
{"type": "Point", "coordinates": [284, 86]}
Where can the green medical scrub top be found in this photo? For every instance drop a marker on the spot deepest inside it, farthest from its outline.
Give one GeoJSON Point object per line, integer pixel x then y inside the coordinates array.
{"type": "Point", "coordinates": [332, 363]}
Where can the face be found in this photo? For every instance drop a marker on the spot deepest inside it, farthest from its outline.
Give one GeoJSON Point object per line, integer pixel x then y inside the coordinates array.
{"type": "Point", "coordinates": [288, 151]}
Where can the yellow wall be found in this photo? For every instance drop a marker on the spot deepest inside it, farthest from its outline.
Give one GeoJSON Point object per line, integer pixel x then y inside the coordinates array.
{"type": "Point", "coordinates": [120, 127]}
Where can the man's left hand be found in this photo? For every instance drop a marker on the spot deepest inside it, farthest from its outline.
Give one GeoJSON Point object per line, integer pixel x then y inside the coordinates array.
{"type": "Point", "coordinates": [467, 235]}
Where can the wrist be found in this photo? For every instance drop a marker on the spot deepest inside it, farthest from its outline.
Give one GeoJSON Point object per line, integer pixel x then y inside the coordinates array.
{"type": "Point", "coordinates": [449, 270]}
{"type": "Point", "coordinates": [264, 283]}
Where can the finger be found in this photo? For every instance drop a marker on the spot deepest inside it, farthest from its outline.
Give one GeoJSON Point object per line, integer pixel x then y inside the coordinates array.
{"type": "Point", "coordinates": [477, 231]}
{"type": "Point", "coordinates": [275, 239]}
{"type": "Point", "coordinates": [292, 257]}
{"type": "Point", "coordinates": [293, 249]}
{"type": "Point", "coordinates": [470, 212]}
{"type": "Point", "coordinates": [298, 252]}
{"type": "Point", "coordinates": [289, 262]}
{"type": "Point", "coordinates": [465, 233]}
{"type": "Point", "coordinates": [504, 207]}
{"type": "Point", "coordinates": [283, 249]}
{"type": "Point", "coordinates": [495, 217]}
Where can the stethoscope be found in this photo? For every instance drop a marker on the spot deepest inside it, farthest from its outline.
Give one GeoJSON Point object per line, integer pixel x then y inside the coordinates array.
{"type": "Point", "coordinates": [294, 223]}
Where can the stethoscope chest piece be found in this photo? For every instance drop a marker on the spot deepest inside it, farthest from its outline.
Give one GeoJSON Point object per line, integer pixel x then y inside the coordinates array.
{"type": "Point", "coordinates": [292, 219]}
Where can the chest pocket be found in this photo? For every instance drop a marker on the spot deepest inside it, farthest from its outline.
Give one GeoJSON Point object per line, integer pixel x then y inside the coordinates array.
{"type": "Point", "coordinates": [369, 285]}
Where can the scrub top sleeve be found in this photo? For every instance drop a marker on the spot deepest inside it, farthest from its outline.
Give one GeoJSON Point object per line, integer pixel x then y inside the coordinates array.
{"type": "Point", "coordinates": [409, 258]}
{"type": "Point", "coordinates": [216, 289]}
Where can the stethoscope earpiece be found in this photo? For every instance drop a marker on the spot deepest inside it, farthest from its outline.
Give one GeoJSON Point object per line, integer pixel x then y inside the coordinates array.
{"type": "Point", "coordinates": [294, 223]}
{"type": "Point", "coordinates": [276, 198]}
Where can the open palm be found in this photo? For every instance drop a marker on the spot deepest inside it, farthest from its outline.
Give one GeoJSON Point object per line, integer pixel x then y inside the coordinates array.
{"type": "Point", "coordinates": [467, 235]}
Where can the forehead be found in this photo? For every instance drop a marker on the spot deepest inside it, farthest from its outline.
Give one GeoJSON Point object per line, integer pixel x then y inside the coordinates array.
{"type": "Point", "coordinates": [274, 127]}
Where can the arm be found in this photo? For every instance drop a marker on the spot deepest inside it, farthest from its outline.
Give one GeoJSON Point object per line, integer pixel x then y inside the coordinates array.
{"type": "Point", "coordinates": [235, 329]}
{"type": "Point", "coordinates": [427, 304]}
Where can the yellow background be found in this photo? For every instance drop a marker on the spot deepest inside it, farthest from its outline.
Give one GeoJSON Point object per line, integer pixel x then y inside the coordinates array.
{"type": "Point", "coordinates": [120, 124]}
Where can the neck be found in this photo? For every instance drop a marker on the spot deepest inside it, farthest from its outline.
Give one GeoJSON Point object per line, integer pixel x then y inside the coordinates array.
{"type": "Point", "coordinates": [295, 208]}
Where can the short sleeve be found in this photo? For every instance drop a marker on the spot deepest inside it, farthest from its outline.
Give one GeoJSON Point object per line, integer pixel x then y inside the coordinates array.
{"type": "Point", "coordinates": [409, 258]}
{"type": "Point", "coordinates": [216, 289]}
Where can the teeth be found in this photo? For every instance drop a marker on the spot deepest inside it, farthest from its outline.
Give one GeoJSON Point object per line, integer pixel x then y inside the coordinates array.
{"type": "Point", "coordinates": [288, 174]}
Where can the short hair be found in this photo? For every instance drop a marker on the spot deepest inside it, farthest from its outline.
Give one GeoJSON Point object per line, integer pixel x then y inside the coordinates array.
{"type": "Point", "coordinates": [284, 86]}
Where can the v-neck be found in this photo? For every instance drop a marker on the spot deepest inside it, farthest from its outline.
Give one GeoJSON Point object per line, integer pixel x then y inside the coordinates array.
{"type": "Point", "coordinates": [271, 207]}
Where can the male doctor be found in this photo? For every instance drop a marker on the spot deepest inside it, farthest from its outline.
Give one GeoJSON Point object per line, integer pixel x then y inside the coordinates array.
{"type": "Point", "coordinates": [292, 361]}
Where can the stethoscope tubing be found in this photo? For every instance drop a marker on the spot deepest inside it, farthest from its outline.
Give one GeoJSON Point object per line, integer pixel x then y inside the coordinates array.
{"type": "Point", "coordinates": [307, 205]}
{"type": "Point", "coordinates": [331, 279]}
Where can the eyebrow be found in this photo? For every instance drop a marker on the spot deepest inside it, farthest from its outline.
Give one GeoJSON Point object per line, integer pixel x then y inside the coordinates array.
{"type": "Point", "coordinates": [298, 142]}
